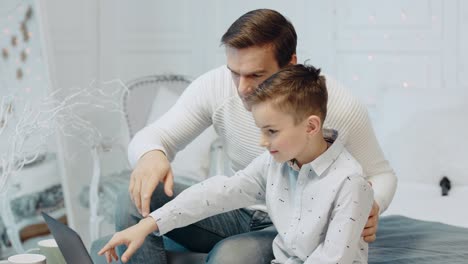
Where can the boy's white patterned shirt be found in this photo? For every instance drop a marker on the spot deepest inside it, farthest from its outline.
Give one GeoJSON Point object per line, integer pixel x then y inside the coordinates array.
{"type": "Point", "coordinates": [319, 210]}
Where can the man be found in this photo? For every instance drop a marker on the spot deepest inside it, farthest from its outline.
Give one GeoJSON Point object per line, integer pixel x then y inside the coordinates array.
{"type": "Point", "coordinates": [258, 44]}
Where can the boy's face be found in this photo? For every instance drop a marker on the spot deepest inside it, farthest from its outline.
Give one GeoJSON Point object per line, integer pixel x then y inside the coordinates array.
{"type": "Point", "coordinates": [284, 139]}
{"type": "Point", "coordinates": [250, 67]}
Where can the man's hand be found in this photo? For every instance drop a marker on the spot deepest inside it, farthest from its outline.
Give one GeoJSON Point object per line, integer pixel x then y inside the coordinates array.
{"type": "Point", "coordinates": [152, 168]}
{"type": "Point", "coordinates": [370, 230]}
{"type": "Point", "coordinates": [133, 237]}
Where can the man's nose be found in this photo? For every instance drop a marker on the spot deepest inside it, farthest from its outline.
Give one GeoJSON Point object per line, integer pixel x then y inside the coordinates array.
{"type": "Point", "coordinates": [245, 87]}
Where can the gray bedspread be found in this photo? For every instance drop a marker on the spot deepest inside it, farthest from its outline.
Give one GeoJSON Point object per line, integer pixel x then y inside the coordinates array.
{"type": "Point", "coordinates": [409, 241]}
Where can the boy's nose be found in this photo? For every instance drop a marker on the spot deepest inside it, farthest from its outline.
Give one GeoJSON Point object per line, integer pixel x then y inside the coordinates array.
{"type": "Point", "coordinates": [264, 143]}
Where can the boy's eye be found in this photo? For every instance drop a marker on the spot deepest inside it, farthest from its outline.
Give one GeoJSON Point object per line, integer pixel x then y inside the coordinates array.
{"type": "Point", "coordinates": [271, 131]}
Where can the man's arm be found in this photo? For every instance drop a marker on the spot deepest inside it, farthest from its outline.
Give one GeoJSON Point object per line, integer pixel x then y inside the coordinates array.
{"type": "Point", "coordinates": [152, 148]}
{"type": "Point", "coordinates": [363, 145]}
{"type": "Point", "coordinates": [350, 117]}
{"type": "Point", "coordinates": [182, 123]}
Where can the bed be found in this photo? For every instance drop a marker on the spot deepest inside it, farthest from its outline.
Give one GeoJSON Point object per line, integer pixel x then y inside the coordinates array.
{"type": "Point", "coordinates": [421, 226]}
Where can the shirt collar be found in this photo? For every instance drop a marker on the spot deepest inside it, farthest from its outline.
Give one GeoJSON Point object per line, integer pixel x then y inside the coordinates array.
{"type": "Point", "coordinates": [326, 159]}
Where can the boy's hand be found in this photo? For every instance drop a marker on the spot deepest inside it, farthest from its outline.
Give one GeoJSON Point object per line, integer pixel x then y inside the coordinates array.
{"type": "Point", "coordinates": [370, 230]}
{"type": "Point", "coordinates": [133, 237]}
{"type": "Point", "coordinates": [151, 169]}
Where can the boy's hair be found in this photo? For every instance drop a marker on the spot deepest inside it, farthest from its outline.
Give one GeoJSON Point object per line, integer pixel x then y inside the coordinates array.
{"type": "Point", "coordinates": [298, 90]}
{"type": "Point", "coordinates": [263, 27]}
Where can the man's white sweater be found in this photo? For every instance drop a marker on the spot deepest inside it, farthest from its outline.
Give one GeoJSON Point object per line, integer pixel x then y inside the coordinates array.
{"type": "Point", "coordinates": [212, 99]}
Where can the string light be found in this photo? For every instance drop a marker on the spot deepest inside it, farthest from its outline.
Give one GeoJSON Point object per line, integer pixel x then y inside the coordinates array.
{"type": "Point", "coordinates": [5, 53]}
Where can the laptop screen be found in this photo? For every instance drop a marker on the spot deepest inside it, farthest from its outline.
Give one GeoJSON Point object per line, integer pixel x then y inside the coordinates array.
{"type": "Point", "coordinates": [69, 242]}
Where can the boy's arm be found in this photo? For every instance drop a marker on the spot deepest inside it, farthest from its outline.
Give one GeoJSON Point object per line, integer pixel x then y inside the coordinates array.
{"type": "Point", "coordinates": [133, 237]}
{"type": "Point", "coordinates": [213, 196]}
{"type": "Point", "coordinates": [353, 204]}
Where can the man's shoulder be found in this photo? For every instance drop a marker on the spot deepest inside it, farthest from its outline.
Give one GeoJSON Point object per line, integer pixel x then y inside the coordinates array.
{"type": "Point", "coordinates": [220, 73]}
{"type": "Point", "coordinates": [216, 82]}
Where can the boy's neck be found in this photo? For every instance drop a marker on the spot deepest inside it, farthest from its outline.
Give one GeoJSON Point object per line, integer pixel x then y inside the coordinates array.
{"type": "Point", "coordinates": [317, 148]}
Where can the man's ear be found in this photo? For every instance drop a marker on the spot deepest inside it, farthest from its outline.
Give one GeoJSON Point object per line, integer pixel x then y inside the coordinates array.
{"type": "Point", "coordinates": [293, 60]}
{"type": "Point", "coordinates": [313, 124]}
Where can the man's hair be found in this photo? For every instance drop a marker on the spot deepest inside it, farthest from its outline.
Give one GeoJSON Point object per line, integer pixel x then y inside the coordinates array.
{"type": "Point", "coordinates": [298, 90]}
{"type": "Point", "coordinates": [263, 27]}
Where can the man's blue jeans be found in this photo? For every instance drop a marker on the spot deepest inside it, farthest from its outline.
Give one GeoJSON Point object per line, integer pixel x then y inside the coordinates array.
{"type": "Point", "coordinates": [240, 236]}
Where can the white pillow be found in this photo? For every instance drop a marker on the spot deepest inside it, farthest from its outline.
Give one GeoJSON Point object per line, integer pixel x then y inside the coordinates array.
{"type": "Point", "coordinates": [192, 162]}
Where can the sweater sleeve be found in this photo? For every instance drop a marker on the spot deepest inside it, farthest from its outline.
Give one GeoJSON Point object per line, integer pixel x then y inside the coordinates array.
{"type": "Point", "coordinates": [185, 120]}
{"type": "Point", "coordinates": [350, 117]}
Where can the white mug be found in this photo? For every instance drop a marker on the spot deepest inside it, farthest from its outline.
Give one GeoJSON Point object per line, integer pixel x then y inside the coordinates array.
{"type": "Point", "coordinates": [50, 249]}
{"type": "Point", "coordinates": [27, 259]}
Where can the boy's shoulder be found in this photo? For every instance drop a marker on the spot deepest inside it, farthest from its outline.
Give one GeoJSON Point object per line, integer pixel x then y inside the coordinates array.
{"type": "Point", "coordinates": [349, 165]}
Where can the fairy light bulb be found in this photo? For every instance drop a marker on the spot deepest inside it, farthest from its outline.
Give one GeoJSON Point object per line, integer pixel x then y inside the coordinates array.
{"type": "Point", "coordinates": [403, 15]}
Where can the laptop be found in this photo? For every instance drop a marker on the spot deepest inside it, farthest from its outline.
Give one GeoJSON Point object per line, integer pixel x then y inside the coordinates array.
{"type": "Point", "coordinates": [69, 242]}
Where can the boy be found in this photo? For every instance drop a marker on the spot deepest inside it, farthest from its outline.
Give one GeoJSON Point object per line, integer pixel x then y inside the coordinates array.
{"type": "Point", "coordinates": [314, 190]}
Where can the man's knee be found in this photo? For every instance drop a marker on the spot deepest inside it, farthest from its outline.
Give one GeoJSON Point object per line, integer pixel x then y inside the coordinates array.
{"type": "Point", "coordinates": [245, 248]}
{"type": "Point", "coordinates": [126, 212]}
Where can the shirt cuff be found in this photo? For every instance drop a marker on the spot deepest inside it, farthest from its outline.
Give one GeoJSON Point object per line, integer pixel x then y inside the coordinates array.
{"type": "Point", "coordinates": [165, 220]}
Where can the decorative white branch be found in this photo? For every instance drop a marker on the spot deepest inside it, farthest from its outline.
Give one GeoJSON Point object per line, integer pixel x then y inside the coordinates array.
{"type": "Point", "coordinates": [24, 130]}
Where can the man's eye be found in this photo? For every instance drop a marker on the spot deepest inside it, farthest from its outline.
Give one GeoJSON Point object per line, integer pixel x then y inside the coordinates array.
{"type": "Point", "coordinates": [234, 74]}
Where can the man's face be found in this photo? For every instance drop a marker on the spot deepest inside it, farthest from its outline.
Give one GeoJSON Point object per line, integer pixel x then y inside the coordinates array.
{"type": "Point", "coordinates": [250, 67]}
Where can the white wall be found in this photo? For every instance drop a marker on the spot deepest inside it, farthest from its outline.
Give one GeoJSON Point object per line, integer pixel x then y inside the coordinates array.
{"type": "Point", "coordinates": [406, 60]}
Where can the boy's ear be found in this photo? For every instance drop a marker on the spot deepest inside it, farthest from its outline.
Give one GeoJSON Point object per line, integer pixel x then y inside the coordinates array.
{"type": "Point", "coordinates": [313, 124]}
